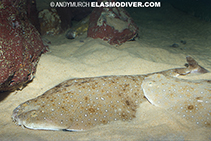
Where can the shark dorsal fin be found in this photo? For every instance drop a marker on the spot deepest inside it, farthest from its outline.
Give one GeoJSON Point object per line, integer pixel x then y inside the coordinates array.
{"type": "Point", "coordinates": [194, 67]}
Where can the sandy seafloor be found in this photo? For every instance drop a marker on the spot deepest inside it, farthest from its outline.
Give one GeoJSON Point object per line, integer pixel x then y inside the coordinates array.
{"type": "Point", "coordinates": [86, 57]}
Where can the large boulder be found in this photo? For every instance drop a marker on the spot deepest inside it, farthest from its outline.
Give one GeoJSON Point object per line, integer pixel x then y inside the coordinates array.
{"type": "Point", "coordinates": [112, 24]}
{"type": "Point", "coordinates": [20, 45]}
{"type": "Point", "coordinates": [50, 23]}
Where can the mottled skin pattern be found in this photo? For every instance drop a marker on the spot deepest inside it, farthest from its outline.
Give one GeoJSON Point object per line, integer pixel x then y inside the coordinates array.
{"type": "Point", "coordinates": [81, 104]}
{"type": "Point", "coordinates": [189, 99]}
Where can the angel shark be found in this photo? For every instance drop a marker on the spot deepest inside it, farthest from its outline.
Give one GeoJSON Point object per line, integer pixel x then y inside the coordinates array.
{"type": "Point", "coordinates": [83, 103]}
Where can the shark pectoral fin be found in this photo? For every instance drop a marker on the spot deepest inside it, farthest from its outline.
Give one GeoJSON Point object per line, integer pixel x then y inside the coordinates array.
{"type": "Point", "coordinates": [188, 99]}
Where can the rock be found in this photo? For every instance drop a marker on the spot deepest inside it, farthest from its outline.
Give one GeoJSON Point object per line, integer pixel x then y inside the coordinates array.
{"type": "Point", "coordinates": [112, 24]}
{"type": "Point", "coordinates": [183, 42]}
{"type": "Point", "coordinates": [50, 23]}
{"type": "Point", "coordinates": [174, 45]}
{"type": "Point", "coordinates": [20, 45]}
